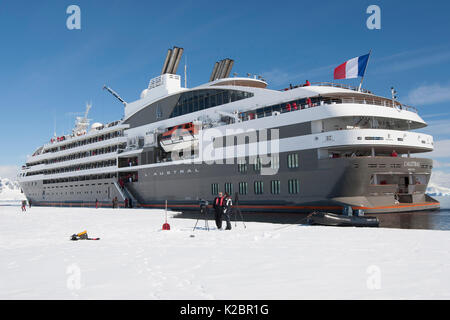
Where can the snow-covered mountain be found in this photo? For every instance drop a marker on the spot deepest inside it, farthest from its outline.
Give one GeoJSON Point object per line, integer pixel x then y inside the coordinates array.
{"type": "Point", "coordinates": [434, 190]}
{"type": "Point", "coordinates": [10, 190]}
{"type": "Point", "coordinates": [439, 184]}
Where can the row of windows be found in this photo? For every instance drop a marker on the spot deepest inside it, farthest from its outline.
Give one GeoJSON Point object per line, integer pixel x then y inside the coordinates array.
{"type": "Point", "coordinates": [203, 99]}
{"type": "Point", "coordinates": [106, 136]}
{"type": "Point", "coordinates": [258, 187]}
{"type": "Point", "coordinates": [87, 166]}
{"type": "Point", "coordinates": [292, 162]}
{"type": "Point", "coordinates": [76, 185]}
{"type": "Point", "coordinates": [82, 178]}
{"type": "Point", "coordinates": [72, 193]}
{"type": "Point", "coordinates": [85, 154]}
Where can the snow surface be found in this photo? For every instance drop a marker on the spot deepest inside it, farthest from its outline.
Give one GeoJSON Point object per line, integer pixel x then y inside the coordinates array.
{"type": "Point", "coordinates": [136, 260]}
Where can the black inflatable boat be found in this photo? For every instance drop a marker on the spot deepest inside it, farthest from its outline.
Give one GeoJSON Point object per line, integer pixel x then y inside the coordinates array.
{"type": "Point", "coordinates": [338, 220]}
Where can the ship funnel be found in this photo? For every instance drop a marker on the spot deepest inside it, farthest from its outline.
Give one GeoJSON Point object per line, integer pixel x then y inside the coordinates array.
{"type": "Point", "coordinates": [172, 60]}
{"type": "Point", "coordinates": [229, 67]}
{"type": "Point", "coordinates": [177, 60]}
{"type": "Point", "coordinates": [213, 73]}
{"type": "Point", "coordinates": [166, 62]}
{"type": "Point", "coordinates": [221, 69]}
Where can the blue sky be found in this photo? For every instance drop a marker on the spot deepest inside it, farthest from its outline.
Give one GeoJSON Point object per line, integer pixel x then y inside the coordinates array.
{"type": "Point", "coordinates": [48, 72]}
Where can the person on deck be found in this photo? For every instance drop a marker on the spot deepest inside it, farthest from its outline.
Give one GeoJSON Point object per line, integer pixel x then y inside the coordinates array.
{"type": "Point", "coordinates": [307, 84]}
{"type": "Point", "coordinates": [394, 154]}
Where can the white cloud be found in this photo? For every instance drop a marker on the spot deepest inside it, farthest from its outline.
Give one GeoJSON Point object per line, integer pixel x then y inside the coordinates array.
{"type": "Point", "coordinates": [435, 115]}
{"type": "Point", "coordinates": [429, 94]}
{"type": "Point", "coordinates": [403, 63]}
{"type": "Point", "coordinates": [9, 172]}
{"type": "Point", "coordinates": [437, 128]}
{"type": "Point", "coordinates": [441, 149]}
{"type": "Point", "coordinates": [439, 164]}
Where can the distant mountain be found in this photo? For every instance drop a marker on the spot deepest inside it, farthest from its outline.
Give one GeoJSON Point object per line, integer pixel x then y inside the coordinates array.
{"type": "Point", "coordinates": [10, 190]}
{"type": "Point", "coordinates": [439, 184]}
{"type": "Point", "coordinates": [434, 190]}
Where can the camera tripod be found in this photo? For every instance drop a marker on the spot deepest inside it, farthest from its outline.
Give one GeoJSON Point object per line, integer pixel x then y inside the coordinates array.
{"type": "Point", "coordinates": [204, 212]}
{"type": "Point", "coordinates": [238, 210]}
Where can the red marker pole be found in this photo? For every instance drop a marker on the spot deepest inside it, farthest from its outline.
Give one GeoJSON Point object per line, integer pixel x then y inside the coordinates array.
{"type": "Point", "coordinates": [166, 226]}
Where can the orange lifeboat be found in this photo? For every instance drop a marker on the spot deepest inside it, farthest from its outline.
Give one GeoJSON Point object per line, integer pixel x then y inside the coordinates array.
{"type": "Point", "coordinates": [180, 137]}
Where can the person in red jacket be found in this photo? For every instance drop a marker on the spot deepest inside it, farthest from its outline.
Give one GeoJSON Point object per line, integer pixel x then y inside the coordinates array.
{"type": "Point", "coordinates": [307, 84]}
{"type": "Point", "coordinates": [218, 206]}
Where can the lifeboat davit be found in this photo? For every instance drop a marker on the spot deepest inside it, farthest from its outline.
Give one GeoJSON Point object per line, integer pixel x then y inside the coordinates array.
{"type": "Point", "coordinates": [180, 137]}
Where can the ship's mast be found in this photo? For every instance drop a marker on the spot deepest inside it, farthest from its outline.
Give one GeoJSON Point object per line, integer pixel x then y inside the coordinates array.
{"type": "Point", "coordinates": [82, 123]}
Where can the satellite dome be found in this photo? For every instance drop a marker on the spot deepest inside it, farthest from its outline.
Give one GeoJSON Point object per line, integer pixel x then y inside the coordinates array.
{"type": "Point", "coordinates": [97, 126]}
{"type": "Point", "coordinates": [144, 93]}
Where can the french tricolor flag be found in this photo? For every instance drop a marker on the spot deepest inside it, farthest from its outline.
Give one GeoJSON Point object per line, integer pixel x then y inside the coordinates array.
{"type": "Point", "coordinates": [352, 68]}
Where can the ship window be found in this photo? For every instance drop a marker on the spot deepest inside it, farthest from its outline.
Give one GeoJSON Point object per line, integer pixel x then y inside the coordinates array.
{"type": "Point", "coordinates": [242, 166]}
{"type": "Point", "coordinates": [226, 97]}
{"type": "Point", "coordinates": [257, 165]}
{"type": "Point", "coordinates": [159, 114]}
{"type": "Point", "coordinates": [275, 187]}
{"type": "Point", "coordinates": [215, 189]}
{"type": "Point", "coordinates": [243, 187]}
{"type": "Point", "coordinates": [212, 101]}
{"type": "Point", "coordinates": [294, 186]}
{"type": "Point", "coordinates": [229, 188]}
{"type": "Point", "coordinates": [206, 98]}
{"type": "Point", "coordinates": [201, 103]}
{"type": "Point", "coordinates": [293, 160]}
{"type": "Point", "coordinates": [259, 187]}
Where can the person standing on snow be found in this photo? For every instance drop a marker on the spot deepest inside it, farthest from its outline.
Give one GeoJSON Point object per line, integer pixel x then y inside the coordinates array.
{"type": "Point", "coordinates": [218, 209]}
{"type": "Point", "coordinates": [227, 209]}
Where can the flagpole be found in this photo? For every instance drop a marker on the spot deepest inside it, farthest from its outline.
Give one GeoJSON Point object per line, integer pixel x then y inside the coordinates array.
{"type": "Point", "coordinates": [362, 78]}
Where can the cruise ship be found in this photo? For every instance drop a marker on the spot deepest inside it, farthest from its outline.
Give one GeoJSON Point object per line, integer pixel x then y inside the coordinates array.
{"type": "Point", "coordinates": [312, 146]}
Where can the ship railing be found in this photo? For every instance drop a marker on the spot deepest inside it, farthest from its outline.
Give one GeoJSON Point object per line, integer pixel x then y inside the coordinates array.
{"type": "Point", "coordinates": [329, 84]}
{"type": "Point", "coordinates": [340, 85]}
{"type": "Point", "coordinates": [380, 102]}
{"type": "Point", "coordinates": [375, 101]}
{"type": "Point", "coordinates": [288, 107]}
